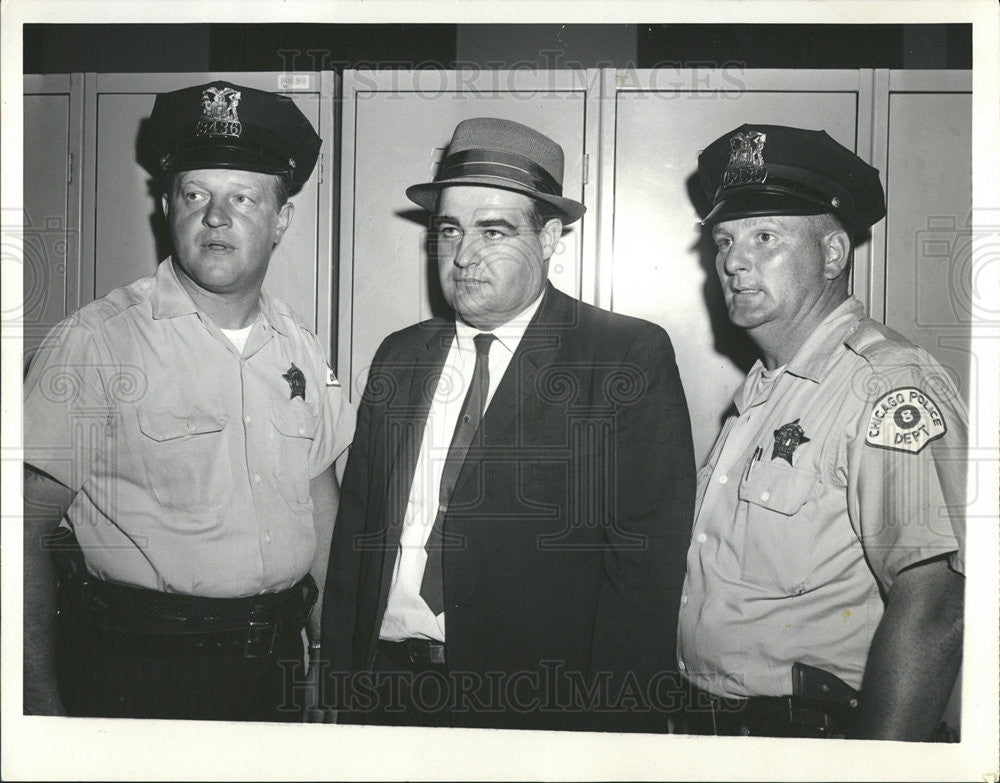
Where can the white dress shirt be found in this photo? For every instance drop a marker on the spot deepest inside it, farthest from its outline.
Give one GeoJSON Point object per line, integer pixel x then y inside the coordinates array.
{"type": "Point", "coordinates": [407, 616]}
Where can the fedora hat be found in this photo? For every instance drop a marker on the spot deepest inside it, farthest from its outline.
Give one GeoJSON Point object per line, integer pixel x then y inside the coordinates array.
{"type": "Point", "coordinates": [501, 154]}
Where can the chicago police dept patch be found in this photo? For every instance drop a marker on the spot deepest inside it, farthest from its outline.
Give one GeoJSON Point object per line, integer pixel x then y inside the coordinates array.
{"type": "Point", "coordinates": [905, 419]}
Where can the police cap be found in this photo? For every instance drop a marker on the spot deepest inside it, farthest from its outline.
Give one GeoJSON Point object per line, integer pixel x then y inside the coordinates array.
{"type": "Point", "coordinates": [225, 126]}
{"type": "Point", "coordinates": [758, 170]}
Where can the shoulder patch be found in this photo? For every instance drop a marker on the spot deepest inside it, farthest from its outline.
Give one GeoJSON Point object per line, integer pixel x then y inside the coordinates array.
{"type": "Point", "coordinates": [905, 419]}
{"type": "Point", "coordinates": [331, 379]}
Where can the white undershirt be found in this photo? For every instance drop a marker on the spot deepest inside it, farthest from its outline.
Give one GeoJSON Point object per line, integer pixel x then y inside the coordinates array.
{"type": "Point", "coordinates": [238, 337]}
{"type": "Point", "coordinates": [407, 616]}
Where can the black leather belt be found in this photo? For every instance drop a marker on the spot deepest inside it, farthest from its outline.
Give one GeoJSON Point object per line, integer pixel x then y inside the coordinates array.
{"type": "Point", "coordinates": [765, 716]}
{"type": "Point", "coordinates": [252, 623]}
{"type": "Point", "coordinates": [414, 654]}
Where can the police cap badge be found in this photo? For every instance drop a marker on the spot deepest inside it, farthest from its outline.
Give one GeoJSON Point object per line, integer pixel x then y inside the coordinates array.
{"type": "Point", "coordinates": [758, 170]}
{"type": "Point", "coordinates": [225, 126]}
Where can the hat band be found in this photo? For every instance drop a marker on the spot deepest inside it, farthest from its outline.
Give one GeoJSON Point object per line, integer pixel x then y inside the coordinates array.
{"type": "Point", "coordinates": [842, 201]}
{"type": "Point", "coordinates": [502, 165]}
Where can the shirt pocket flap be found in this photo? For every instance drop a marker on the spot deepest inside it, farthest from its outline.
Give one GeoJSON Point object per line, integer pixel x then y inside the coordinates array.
{"type": "Point", "coordinates": [778, 487]}
{"type": "Point", "coordinates": [294, 421]}
{"type": "Point", "coordinates": [163, 425]}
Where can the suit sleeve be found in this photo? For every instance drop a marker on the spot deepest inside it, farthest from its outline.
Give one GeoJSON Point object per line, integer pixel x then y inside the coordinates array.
{"type": "Point", "coordinates": [646, 541]}
{"type": "Point", "coordinates": [340, 595]}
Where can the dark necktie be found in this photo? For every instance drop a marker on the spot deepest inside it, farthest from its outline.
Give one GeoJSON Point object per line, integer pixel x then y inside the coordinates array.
{"type": "Point", "coordinates": [432, 584]}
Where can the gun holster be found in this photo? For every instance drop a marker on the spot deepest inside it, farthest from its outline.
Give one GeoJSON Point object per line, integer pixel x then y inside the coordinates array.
{"type": "Point", "coordinates": [71, 570]}
{"type": "Point", "coordinates": [809, 682]}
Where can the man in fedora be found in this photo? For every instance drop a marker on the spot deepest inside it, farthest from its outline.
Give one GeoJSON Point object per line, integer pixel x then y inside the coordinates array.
{"type": "Point", "coordinates": [180, 432]}
{"type": "Point", "coordinates": [823, 595]}
{"type": "Point", "coordinates": [509, 546]}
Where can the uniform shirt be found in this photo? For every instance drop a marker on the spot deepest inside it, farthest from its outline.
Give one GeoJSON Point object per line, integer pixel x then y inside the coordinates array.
{"type": "Point", "coordinates": [190, 461]}
{"type": "Point", "coordinates": [861, 473]}
{"type": "Point", "coordinates": [407, 616]}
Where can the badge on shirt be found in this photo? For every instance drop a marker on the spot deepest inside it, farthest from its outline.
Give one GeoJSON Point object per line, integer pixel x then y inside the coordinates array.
{"type": "Point", "coordinates": [296, 382]}
{"type": "Point", "coordinates": [331, 379]}
{"type": "Point", "coordinates": [905, 419]}
{"type": "Point", "coordinates": [787, 438]}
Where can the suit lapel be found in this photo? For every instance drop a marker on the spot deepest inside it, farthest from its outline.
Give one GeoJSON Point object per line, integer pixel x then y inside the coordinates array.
{"type": "Point", "coordinates": [538, 349]}
{"type": "Point", "coordinates": [404, 430]}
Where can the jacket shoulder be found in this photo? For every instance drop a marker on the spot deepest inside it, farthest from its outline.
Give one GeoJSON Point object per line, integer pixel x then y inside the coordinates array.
{"type": "Point", "coordinates": [421, 333]}
{"type": "Point", "coordinates": [615, 328]}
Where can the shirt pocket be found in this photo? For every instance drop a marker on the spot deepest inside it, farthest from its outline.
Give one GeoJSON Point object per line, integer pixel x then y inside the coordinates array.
{"type": "Point", "coordinates": [186, 458]}
{"type": "Point", "coordinates": [295, 428]}
{"type": "Point", "coordinates": [779, 537]}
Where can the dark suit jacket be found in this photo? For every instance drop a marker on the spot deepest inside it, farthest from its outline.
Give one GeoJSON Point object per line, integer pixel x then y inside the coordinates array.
{"type": "Point", "coordinates": [573, 512]}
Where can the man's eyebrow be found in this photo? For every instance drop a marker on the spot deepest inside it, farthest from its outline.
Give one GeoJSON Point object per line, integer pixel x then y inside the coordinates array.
{"type": "Point", "coordinates": [445, 219]}
{"type": "Point", "coordinates": [496, 223]}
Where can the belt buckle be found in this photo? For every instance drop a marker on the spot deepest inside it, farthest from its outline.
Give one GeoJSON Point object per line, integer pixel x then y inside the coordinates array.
{"type": "Point", "coordinates": [260, 635]}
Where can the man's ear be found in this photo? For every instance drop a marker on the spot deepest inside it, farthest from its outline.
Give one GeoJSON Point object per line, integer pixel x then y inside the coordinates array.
{"type": "Point", "coordinates": [165, 205]}
{"type": "Point", "coordinates": [836, 253]}
{"type": "Point", "coordinates": [284, 220]}
{"type": "Point", "coordinates": [549, 236]}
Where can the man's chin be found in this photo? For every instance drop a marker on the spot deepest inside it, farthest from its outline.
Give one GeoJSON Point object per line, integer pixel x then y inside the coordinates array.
{"type": "Point", "coordinates": [746, 318]}
{"type": "Point", "coordinates": [211, 281]}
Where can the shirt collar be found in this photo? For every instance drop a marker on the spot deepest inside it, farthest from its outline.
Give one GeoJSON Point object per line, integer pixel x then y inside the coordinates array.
{"type": "Point", "coordinates": [170, 300]}
{"type": "Point", "coordinates": [817, 354]}
{"type": "Point", "coordinates": [508, 335]}
{"type": "Point", "coordinates": [812, 361]}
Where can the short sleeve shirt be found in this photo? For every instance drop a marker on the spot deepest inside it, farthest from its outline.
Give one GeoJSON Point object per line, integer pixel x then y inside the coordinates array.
{"type": "Point", "coordinates": [822, 486]}
{"type": "Point", "coordinates": [190, 461]}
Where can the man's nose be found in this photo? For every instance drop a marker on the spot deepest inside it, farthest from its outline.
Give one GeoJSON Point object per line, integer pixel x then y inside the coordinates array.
{"type": "Point", "coordinates": [216, 214]}
{"type": "Point", "coordinates": [466, 254]}
{"type": "Point", "coordinates": [736, 259]}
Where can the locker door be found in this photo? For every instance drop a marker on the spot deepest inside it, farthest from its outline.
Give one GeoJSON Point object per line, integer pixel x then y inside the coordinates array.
{"type": "Point", "coordinates": [127, 236]}
{"type": "Point", "coordinates": [931, 294]}
{"type": "Point", "coordinates": [663, 267]}
{"type": "Point", "coordinates": [50, 220]}
{"type": "Point", "coordinates": [396, 126]}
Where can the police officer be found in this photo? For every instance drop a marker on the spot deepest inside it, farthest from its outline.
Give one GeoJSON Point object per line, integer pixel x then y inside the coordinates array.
{"type": "Point", "coordinates": [182, 429]}
{"type": "Point", "coordinates": [824, 584]}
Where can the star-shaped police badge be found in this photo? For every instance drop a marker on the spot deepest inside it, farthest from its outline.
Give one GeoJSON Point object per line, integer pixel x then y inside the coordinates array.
{"type": "Point", "coordinates": [296, 381]}
{"type": "Point", "coordinates": [786, 439]}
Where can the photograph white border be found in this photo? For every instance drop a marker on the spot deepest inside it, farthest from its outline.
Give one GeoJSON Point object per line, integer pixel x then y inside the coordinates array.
{"type": "Point", "coordinates": [52, 748]}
